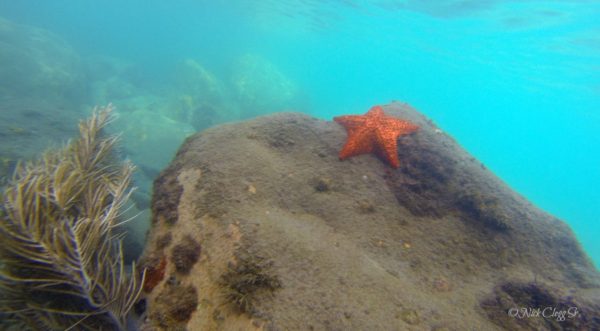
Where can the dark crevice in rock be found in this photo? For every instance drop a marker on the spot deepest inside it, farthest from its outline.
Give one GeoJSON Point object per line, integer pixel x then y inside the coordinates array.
{"type": "Point", "coordinates": [431, 183]}
{"type": "Point", "coordinates": [165, 198]}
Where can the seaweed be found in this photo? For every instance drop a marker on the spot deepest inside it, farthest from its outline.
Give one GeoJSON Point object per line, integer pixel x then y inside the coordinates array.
{"type": "Point", "coordinates": [245, 281]}
{"type": "Point", "coordinates": [62, 263]}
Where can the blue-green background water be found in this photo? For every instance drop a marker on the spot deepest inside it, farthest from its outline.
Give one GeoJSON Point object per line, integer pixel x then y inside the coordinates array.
{"type": "Point", "coordinates": [517, 83]}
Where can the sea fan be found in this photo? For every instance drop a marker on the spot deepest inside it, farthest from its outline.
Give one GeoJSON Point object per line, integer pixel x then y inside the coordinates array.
{"type": "Point", "coordinates": [61, 263]}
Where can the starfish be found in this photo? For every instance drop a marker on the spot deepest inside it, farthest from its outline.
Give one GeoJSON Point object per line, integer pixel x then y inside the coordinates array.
{"type": "Point", "coordinates": [374, 132]}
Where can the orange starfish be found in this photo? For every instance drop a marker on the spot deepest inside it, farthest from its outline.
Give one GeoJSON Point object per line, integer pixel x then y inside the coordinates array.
{"type": "Point", "coordinates": [374, 132]}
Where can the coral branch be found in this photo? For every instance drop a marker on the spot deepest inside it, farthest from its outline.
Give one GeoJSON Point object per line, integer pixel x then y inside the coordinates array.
{"type": "Point", "coordinates": [62, 266]}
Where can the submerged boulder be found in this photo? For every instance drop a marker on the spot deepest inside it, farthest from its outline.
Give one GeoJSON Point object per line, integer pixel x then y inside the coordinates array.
{"type": "Point", "coordinates": [195, 80]}
{"type": "Point", "coordinates": [41, 92]}
{"type": "Point", "coordinates": [115, 80]}
{"type": "Point", "coordinates": [37, 64]}
{"type": "Point", "coordinates": [259, 225]}
{"type": "Point", "coordinates": [261, 87]}
{"type": "Point", "coordinates": [200, 98]}
{"type": "Point", "coordinates": [150, 136]}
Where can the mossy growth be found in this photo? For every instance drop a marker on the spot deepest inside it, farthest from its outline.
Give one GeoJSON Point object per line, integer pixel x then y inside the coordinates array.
{"type": "Point", "coordinates": [247, 281]}
{"type": "Point", "coordinates": [175, 305]}
{"type": "Point", "coordinates": [185, 254]}
{"type": "Point", "coordinates": [484, 210]}
{"type": "Point", "coordinates": [163, 241]}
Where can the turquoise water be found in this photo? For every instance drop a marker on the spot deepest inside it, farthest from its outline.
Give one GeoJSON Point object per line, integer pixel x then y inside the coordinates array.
{"type": "Point", "coordinates": [517, 83]}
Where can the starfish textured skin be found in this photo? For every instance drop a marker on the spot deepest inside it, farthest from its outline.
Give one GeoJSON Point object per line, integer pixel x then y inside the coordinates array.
{"type": "Point", "coordinates": [375, 132]}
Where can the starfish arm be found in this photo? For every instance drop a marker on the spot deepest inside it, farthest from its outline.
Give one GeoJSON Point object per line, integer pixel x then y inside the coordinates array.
{"type": "Point", "coordinates": [376, 111]}
{"type": "Point", "coordinates": [400, 126]}
{"type": "Point", "coordinates": [350, 122]}
{"type": "Point", "coordinates": [408, 129]}
{"type": "Point", "coordinates": [358, 143]}
{"type": "Point", "coordinates": [357, 119]}
{"type": "Point", "coordinates": [387, 147]}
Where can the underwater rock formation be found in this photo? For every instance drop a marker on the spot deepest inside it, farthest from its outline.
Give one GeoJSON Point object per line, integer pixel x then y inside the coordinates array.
{"type": "Point", "coordinates": [151, 136]}
{"type": "Point", "coordinates": [260, 87]}
{"type": "Point", "coordinates": [42, 86]}
{"type": "Point", "coordinates": [282, 235]}
{"type": "Point", "coordinates": [38, 64]}
{"type": "Point", "coordinates": [201, 98]}
{"type": "Point", "coordinates": [150, 139]}
{"type": "Point", "coordinates": [115, 80]}
{"type": "Point", "coordinates": [197, 81]}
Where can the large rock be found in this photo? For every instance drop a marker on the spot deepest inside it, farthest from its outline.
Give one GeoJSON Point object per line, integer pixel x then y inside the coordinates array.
{"type": "Point", "coordinates": [258, 225]}
{"type": "Point", "coordinates": [261, 87]}
{"type": "Point", "coordinates": [200, 98]}
{"type": "Point", "coordinates": [37, 64]}
{"type": "Point", "coordinates": [115, 80]}
{"type": "Point", "coordinates": [150, 136]}
{"type": "Point", "coordinates": [42, 88]}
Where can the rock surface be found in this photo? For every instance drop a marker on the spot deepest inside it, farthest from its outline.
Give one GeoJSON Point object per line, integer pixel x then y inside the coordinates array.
{"type": "Point", "coordinates": [258, 225]}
